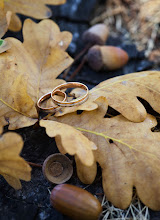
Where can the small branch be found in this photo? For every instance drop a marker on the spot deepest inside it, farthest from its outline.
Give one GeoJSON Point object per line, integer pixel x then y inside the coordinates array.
{"type": "Point", "coordinates": [78, 69]}
{"type": "Point", "coordinates": [34, 164]}
{"type": "Point", "coordinates": [75, 60]}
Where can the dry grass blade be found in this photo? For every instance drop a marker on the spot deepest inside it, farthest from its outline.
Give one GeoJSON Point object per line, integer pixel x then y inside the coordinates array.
{"type": "Point", "coordinates": [136, 210]}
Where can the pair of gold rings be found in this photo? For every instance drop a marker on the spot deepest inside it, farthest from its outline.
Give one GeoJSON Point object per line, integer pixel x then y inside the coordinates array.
{"type": "Point", "coordinates": [64, 103]}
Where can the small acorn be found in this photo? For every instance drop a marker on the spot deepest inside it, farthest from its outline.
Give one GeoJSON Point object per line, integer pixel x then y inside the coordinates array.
{"type": "Point", "coordinates": [75, 202]}
{"type": "Point", "coordinates": [106, 57]}
{"type": "Point", "coordinates": [57, 168]}
{"type": "Point", "coordinates": [97, 34]}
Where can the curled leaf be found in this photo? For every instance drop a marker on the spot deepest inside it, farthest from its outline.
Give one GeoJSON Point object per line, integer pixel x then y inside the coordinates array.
{"type": "Point", "coordinates": [12, 166]}
{"type": "Point", "coordinates": [72, 142]}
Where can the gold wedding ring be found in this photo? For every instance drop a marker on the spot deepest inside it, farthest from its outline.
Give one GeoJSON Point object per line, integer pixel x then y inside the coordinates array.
{"type": "Point", "coordinates": [74, 102]}
{"type": "Point", "coordinates": [47, 96]}
{"type": "Point", "coordinates": [63, 103]}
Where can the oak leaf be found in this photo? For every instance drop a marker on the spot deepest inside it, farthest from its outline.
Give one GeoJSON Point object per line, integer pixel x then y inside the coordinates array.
{"type": "Point", "coordinates": [29, 70]}
{"type": "Point", "coordinates": [128, 153]}
{"type": "Point", "coordinates": [36, 9]}
{"type": "Point", "coordinates": [122, 92]}
{"type": "Point", "coordinates": [12, 166]}
{"type": "Point", "coordinates": [71, 141]}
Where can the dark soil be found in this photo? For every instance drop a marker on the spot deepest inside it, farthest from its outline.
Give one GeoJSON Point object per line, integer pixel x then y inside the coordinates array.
{"type": "Point", "coordinates": [32, 202]}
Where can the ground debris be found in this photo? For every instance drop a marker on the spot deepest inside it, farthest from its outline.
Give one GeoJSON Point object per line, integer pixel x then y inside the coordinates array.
{"type": "Point", "coordinates": [139, 19]}
{"type": "Point", "coordinates": [136, 210]}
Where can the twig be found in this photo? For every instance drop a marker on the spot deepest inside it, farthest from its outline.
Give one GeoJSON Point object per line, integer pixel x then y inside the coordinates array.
{"type": "Point", "coordinates": [34, 164]}
{"type": "Point", "coordinates": [78, 69]}
{"type": "Point", "coordinates": [75, 60]}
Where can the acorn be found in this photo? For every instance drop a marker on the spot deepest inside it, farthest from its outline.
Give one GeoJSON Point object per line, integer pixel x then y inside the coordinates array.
{"type": "Point", "coordinates": [57, 168]}
{"type": "Point", "coordinates": [106, 57]}
{"type": "Point", "coordinates": [97, 34]}
{"type": "Point", "coordinates": [75, 202]}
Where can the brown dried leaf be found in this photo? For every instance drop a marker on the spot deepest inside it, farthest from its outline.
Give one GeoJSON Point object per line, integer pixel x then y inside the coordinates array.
{"type": "Point", "coordinates": [128, 153]}
{"type": "Point", "coordinates": [35, 9]}
{"type": "Point", "coordinates": [122, 92]}
{"type": "Point", "coordinates": [70, 141]}
{"type": "Point", "coordinates": [30, 69]}
{"type": "Point", "coordinates": [12, 166]}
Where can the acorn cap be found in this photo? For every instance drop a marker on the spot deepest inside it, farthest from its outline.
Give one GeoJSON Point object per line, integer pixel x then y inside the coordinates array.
{"type": "Point", "coordinates": [106, 57]}
{"type": "Point", "coordinates": [97, 34]}
{"type": "Point", "coordinates": [57, 168]}
{"type": "Point", "coordinates": [94, 58]}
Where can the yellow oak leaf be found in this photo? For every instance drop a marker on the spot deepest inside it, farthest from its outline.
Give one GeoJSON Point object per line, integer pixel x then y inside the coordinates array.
{"type": "Point", "coordinates": [29, 70]}
{"type": "Point", "coordinates": [12, 166]}
{"type": "Point", "coordinates": [36, 9]}
{"type": "Point", "coordinates": [122, 92]}
{"type": "Point", "coordinates": [128, 153]}
{"type": "Point", "coordinates": [70, 141]}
